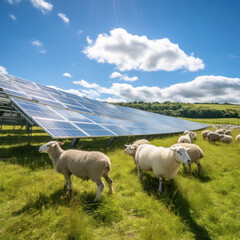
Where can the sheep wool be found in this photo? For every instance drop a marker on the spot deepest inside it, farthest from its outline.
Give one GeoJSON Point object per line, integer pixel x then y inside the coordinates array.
{"type": "Point", "coordinates": [141, 141]}
{"type": "Point", "coordinates": [194, 152]}
{"type": "Point", "coordinates": [185, 138]}
{"type": "Point", "coordinates": [205, 133]}
{"type": "Point", "coordinates": [226, 139]}
{"type": "Point", "coordinates": [238, 138]}
{"type": "Point", "coordinates": [83, 164]}
{"type": "Point", "coordinates": [164, 162]}
{"type": "Point", "coordinates": [213, 137]}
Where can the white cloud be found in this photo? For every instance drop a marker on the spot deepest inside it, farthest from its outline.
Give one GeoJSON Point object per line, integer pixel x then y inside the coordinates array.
{"type": "Point", "coordinates": [14, 1]}
{"type": "Point", "coordinates": [86, 84]}
{"type": "Point", "coordinates": [3, 69]}
{"type": "Point", "coordinates": [201, 89]}
{"type": "Point", "coordinates": [128, 52]}
{"type": "Point", "coordinates": [63, 17]}
{"type": "Point", "coordinates": [67, 75]}
{"type": "Point", "coordinates": [123, 77]}
{"type": "Point", "coordinates": [89, 40]}
{"type": "Point", "coordinates": [37, 43]}
{"type": "Point", "coordinates": [79, 32]}
{"type": "Point", "coordinates": [42, 5]}
{"type": "Point", "coordinates": [12, 17]}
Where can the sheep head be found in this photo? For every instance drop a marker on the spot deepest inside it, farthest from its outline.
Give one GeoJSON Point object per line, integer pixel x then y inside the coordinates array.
{"type": "Point", "coordinates": [45, 148]}
{"type": "Point", "coordinates": [181, 154]}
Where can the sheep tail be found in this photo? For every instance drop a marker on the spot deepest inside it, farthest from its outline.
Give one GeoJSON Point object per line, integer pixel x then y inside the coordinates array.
{"type": "Point", "coordinates": [108, 166]}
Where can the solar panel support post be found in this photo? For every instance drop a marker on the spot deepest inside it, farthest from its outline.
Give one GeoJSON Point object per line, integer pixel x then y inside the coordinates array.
{"type": "Point", "coordinates": [110, 142]}
{"type": "Point", "coordinates": [29, 132]}
{"type": "Point", "coordinates": [74, 143]}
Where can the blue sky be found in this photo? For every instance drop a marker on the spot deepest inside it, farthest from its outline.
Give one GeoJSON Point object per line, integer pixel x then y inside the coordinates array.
{"type": "Point", "coordinates": [126, 50]}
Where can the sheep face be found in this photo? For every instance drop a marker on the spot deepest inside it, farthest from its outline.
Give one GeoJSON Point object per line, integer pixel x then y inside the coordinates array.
{"type": "Point", "coordinates": [131, 149]}
{"type": "Point", "coordinates": [181, 154]}
{"type": "Point", "coordinates": [50, 145]}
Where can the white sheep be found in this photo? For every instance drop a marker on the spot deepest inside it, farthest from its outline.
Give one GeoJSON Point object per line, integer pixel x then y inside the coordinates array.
{"type": "Point", "coordinates": [141, 141]}
{"type": "Point", "coordinates": [194, 152]}
{"type": "Point", "coordinates": [185, 138]}
{"type": "Point", "coordinates": [238, 138]}
{"type": "Point", "coordinates": [205, 133]}
{"type": "Point", "coordinates": [213, 137]}
{"type": "Point", "coordinates": [220, 131]}
{"type": "Point", "coordinates": [228, 132]}
{"type": "Point", "coordinates": [226, 139]}
{"type": "Point", "coordinates": [131, 150]}
{"type": "Point", "coordinates": [83, 164]}
{"type": "Point", "coordinates": [192, 135]}
{"type": "Point", "coordinates": [164, 162]}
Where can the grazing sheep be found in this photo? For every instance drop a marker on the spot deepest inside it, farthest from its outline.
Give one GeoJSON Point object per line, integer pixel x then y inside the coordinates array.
{"type": "Point", "coordinates": [220, 131]}
{"type": "Point", "coordinates": [131, 150]}
{"type": "Point", "coordinates": [85, 165]}
{"type": "Point", "coordinates": [164, 162]}
{"type": "Point", "coordinates": [185, 139]}
{"type": "Point", "coordinates": [213, 137]}
{"type": "Point", "coordinates": [228, 132]}
{"type": "Point", "coordinates": [192, 135]}
{"type": "Point", "coordinates": [238, 138]}
{"type": "Point", "coordinates": [141, 141]}
{"type": "Point", "coordinates": [205, 133]}
{"type": "Point", "coordinates": [226, 139]}
{"type": "Point", "coordinates": [194, 152]}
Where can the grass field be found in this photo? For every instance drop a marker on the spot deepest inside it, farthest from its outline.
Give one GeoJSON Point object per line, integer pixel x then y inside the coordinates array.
{"type": "Point", "coordinates": [216, 121]}
{"type": "Point", "coordinates": [219, 106]}
{"type": "Point", "coordinates": [34, 206]}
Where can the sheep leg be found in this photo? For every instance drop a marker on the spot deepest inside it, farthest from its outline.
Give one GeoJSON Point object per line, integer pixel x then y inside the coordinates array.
{"type": "Point", "coordinates": [139, 172]}
{"type": "Point", "coordinates": [109, 182]}
{"type": "Point", "coordinates": [160, 185]}
{"type": "Point", "coordinates": [199, 167]}
{"type": "Point", "coordinates": [68, 183]}
{"type": "Point", "coordinates": [100, 186]}
{"type": "Point", "coordinates": [190, 168]}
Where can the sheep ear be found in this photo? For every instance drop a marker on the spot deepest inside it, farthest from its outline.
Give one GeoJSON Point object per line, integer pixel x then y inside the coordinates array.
{"type": "Point", "coordinates": [187, 148]}
{"type": "Point", "coordinates": [173, 148]}
{"type": "Point", "coordinates": [126, 145]}
{"type": "Point", "coordinates": [60, 143]}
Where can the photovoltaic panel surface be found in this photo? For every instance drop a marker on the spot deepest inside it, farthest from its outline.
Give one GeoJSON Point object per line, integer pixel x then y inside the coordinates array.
{"type": "Point", "coordinates": [65, 115]}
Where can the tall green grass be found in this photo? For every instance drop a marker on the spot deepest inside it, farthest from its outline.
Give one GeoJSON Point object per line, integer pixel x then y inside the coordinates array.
{"type": "Point", "coordinates": [34, 205]}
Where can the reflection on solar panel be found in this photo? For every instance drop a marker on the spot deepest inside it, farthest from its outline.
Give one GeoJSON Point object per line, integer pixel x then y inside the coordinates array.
{"type": "Point", "coordinates": [65, 115]}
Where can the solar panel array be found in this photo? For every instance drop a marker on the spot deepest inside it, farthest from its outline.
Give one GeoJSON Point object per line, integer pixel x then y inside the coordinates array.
{"type": "Point", "coordinates": [65, 115]}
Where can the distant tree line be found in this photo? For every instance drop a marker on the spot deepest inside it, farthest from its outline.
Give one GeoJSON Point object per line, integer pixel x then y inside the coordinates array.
{"type": "Point", "coordinates": [177, 109]}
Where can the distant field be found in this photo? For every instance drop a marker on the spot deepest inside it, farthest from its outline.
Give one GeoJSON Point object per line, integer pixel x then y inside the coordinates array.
{"type": "Point", "coordinates": [219, 106]}
{"type": "Point", "coordinates": [34, 206]}
{"type": "Point", "coordinates": [216, 121]}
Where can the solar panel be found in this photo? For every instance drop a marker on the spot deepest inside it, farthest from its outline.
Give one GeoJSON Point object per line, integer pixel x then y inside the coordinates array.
{"type": "Point", "coordinates": [65, 115]}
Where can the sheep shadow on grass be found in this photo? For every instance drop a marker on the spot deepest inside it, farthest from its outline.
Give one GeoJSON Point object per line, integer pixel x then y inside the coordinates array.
{"type": "Point", "coordinates": [202, 176]}
{"type": "Point", "coordinates": [103, 211]}
{"type": "Point", "coordinates": [176, 202]}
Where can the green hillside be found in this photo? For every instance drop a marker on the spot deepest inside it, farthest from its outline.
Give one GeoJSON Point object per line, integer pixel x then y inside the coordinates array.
{"type": "Point", "coordinates": [188, 110]}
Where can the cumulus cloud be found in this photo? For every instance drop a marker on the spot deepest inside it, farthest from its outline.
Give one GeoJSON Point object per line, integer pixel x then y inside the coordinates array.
{"type": "Point", "coordinates": [67, 75]}
{"type": "Point", "coordinates": [123, 77]}
{"type": "Point", "coordinates": [12, 17]}
{"type": "Point", "coordinates": [42, 5]}
{"type": "Point", "coordinates": [201, 89]}
{"type": "Point", "coordinates": [89, 40]}
{"type": "Point", "coordinates": [86, 84]}
{"type": "Point", "coordinates": [3, 69]}
{"type": "Point", "coordinates": [128, 52]}
{"type": "Point", "coordinates": [63, 17]}
{"type": "Point", "coordinates": [14, 1]}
